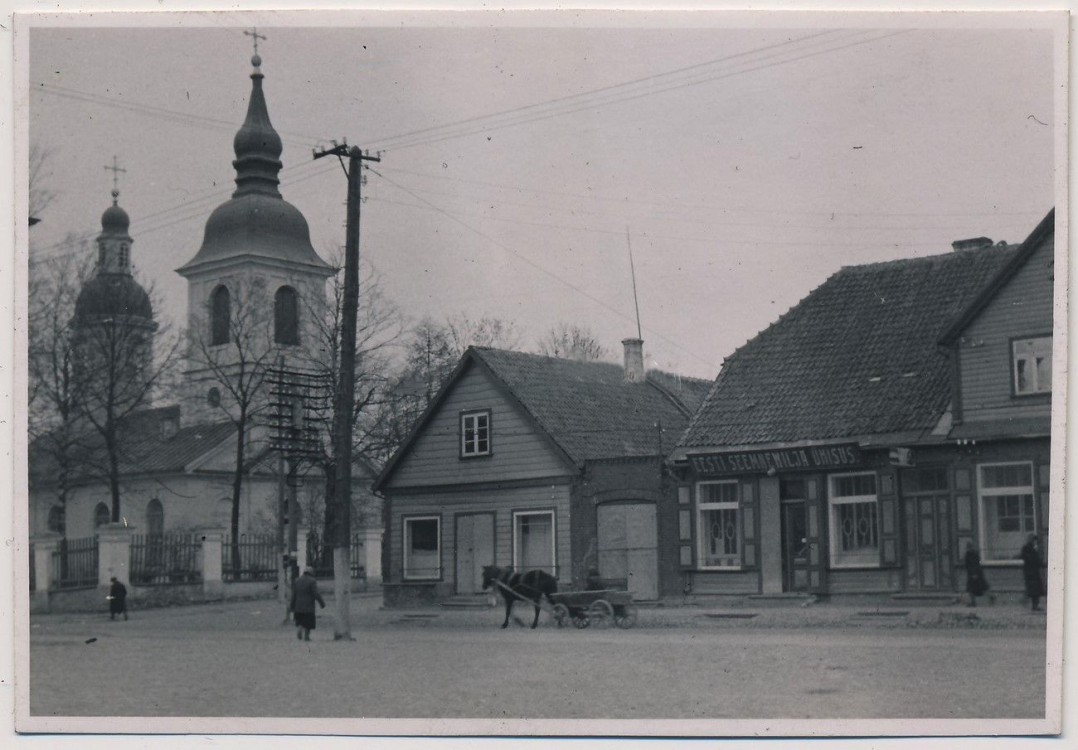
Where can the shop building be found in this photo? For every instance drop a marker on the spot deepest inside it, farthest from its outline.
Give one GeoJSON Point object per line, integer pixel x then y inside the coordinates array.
{"type": "Point", "coordinates": [529, 462]}
{"type": "Point", "coordinates": [897, 413]}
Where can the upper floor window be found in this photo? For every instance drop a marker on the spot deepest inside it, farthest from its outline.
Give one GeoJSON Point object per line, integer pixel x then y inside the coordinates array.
{"type": "Point", "coordinates": [286, 316]}
{"type": "Point", "coordinates": [718, 524]}
{"type": "Point", "coordinates": [855, 540]}
{"type": "Point", "coordinates": [220, 315]}
{"type": "Point", "coordinates": [1032, 365]}
{"type": "Point", "coordinates": [475, 434]}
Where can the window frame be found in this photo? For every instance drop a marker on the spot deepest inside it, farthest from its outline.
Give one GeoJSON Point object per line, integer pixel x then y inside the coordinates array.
{"type": "Point", "coordinates": [834, 541]}
{"type": "Point", "coordinates": [1036, 392]}
{"type": "Point", "coordinates": [215, 322]}
{"type": "Point", "coordinates": [406, 547]}
{"type": "Point", "coordinates": [993, 492]}
{"type": "Point", "coordinates": [282, 325]}
{"type": "Point", "coordinates": [462, 429]}
{"type": "Point", "coordinates": [552, 514]}
{"type": "Point", "coordinates": [702, 507]}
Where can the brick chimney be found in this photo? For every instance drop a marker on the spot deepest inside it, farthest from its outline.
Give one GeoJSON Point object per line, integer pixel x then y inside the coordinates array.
{"type": "Point", "coordinates": [974, 243]}
{"type": "Point", "coordinates": [634, 360]}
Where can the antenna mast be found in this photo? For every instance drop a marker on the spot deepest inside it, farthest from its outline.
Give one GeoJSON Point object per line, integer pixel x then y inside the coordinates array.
{"type": "Point", "coordinates": [632, 268]}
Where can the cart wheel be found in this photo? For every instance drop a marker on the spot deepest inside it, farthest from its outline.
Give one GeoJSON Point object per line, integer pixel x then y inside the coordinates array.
{"type": "Point", "coordinates": [561, 615]}
{"type": "Point", "coordinates": [581, 621]}
{"type": "Point", "coordinates": [602, 611]}
{"type": "Point", "coordinates": [625, 616]}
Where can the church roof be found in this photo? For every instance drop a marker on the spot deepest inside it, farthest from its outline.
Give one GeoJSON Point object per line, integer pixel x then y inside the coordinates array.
{"type": "Point", "coordinates": [256, 221]}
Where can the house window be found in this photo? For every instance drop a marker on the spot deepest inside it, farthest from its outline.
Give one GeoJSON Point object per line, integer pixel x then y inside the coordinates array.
{"type": "Point", "coordinates": [155, 518]}
{"type": "Point", "coordinates": [475, 434]}
{"type": "Point", "coordinates": [286, 316]}
{"type": "Point", "coordinates": [422, 548]}
{"type": "Point", "coordinates": [1008, 513]}
{"type": "Point", "coordinates": [57, 521]}
{"type": "Point", "coordinates": [1032, 365]}
{"type": "Point", "coordinates": [533, 541]}
{"type": "Point", "coordinates": [719, 530]}
{"type": "Point", "coordinates": [220, 314]}
{"type": "Point", "coordinates": [855, 540]}
{"type": "Point", "coordinates": [101, 515]}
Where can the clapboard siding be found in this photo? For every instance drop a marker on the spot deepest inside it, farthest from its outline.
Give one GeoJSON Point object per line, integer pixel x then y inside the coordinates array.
{"type": "Point", "coordinates": [1022, 308]}
{"type": "Point", "coordinates": [501, 502]}
{"type": "Point", "coordinates": [733, 582]}
{"type": "Point", "coordinates": [518, 450]}
{"type": "Point", "coordinates": [863, 581]}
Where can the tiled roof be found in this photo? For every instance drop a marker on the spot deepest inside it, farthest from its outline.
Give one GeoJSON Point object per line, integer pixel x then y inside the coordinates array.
{"type": "Point", "coordinates": [144, 447]}
{"type": "Point", "coordinates": [589, 410]}
{"type": "Point", "coordinates": [858, 356]}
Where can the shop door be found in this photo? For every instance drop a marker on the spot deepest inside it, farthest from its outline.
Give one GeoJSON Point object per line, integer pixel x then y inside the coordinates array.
{"type": "Point", "coordinates": [928, 566]}
{"type": "Point", "coordinates": [474, 549]}
{"type": "Point", "coordinates": [628, 546]}
{"type": "Point", "coordinates": [795, 548]}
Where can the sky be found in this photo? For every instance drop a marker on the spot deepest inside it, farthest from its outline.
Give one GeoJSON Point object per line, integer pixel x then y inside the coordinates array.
{"type": "Point", "coordinates": [522, 158]}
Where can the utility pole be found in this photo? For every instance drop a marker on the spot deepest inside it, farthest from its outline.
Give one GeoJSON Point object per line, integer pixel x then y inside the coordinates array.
{"type": "Point", "coordinates": [345, 398]}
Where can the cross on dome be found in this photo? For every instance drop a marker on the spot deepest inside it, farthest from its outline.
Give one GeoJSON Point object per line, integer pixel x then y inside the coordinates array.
{"type": "Point", "coordinates": [115, 169]}
{"type": "Point", "coordinates": [255, 36]}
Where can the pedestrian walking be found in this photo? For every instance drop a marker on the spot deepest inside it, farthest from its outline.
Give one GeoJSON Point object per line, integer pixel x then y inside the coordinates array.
{"type": "Point", "coordinates": [117, 599]}
{"type": "Point", "coordinates": [1031, 571]}
{"type": "Point", "coordinates": [976, 583]}
{"type": "Point", "coordinates": [304, 595]}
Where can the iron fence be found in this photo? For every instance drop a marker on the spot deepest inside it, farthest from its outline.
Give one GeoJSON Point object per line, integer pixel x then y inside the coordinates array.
{"type": "Point", "coordinates": [160, 559]}
{"type": "Point", "coordinates": [259, 558]}
{"type": "Point", "coordinates": [74, 564]}
{"type": "Point", "coordinates": [321, 557]}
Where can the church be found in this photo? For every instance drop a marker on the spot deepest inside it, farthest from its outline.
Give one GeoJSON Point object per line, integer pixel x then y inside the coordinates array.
{"type": "Point", "coordinates": [256, 295]}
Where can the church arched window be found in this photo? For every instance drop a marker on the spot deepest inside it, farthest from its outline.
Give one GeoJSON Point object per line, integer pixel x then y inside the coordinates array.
{"type": "Point", "coordinates": [220, 314]}
{"type": "Point", "coordinates": [286, 316]}
{"type": "Point", "coordinates": [102, 254]}
{"type": "Point", "coordinates": [57, 522]}
{"type": "Point", "coordinates": [101, 515]}
{"type": "Point", "coordinates": [155, 518]}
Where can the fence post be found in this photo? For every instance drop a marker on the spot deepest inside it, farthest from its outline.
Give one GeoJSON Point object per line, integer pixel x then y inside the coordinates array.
{"type": "Point", "coordinates": [212, 545]}
{"type": "Point", "coordinates": [44, 545]}
{"type": "Point", "coordinates": [113, 554]}
{"type": "Point", "coordinates": [302, 559]}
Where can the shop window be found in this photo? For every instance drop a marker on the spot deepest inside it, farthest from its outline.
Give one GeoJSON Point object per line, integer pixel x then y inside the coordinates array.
{"type": "Point", "coordinates": [475, 434]}
{"type": "Point", "coordinates": [1008, 514]}
{"type": "Point", "coordinates": [717, 522]}
{"type": "Point", "coordinates": [533, 541]}
{"type": "Point", "coordinates": [422, 548]}
{"type": "Point", "coordinates": [855, 536]}
{"type": "Point", "coordinates": [101, 515]}
{"type": "Point", "coordinates": [1032, 365]}
{"type": "Point", "coordinates": [286, 316]}
{"type": "Point", "coordinates": [220, 315]}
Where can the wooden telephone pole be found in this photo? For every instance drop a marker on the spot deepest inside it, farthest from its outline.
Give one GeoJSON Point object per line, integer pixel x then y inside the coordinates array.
{"type": "Point", "coordinates": [345, 398]}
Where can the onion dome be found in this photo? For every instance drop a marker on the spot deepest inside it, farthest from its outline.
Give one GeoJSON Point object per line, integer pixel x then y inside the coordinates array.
{"type": "Point", "coordinates": [115, 221]}
{"type": "Point", "coordinates": [256, 220]}
{"type": "Point", "coordinates": [112, 295]}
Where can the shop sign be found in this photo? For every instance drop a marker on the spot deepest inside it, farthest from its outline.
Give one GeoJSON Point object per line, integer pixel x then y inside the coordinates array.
{"type": "Point", "coordinates": [781, 459]}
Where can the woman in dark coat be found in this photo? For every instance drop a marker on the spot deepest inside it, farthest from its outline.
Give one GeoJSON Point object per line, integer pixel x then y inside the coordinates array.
{"type": "Point", "coordinates": [1031, 571]}
{"type": "Point", "coordinates": [117, 599]}
{"type": "Point", "coordinates": [976, 584]}
{"type": "Point", "coordinates": [304, 595]}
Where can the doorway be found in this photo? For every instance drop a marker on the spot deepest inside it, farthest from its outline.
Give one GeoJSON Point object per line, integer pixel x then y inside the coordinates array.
{"type": "Point", "coordinates": [928, 529]}
{"type": "Point", "coordinates": [474, 548]}
{"type": "Point", "coordinates": [795, 547]}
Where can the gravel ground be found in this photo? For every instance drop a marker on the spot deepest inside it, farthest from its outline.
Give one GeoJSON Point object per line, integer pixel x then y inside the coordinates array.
{"type": "Point", "coordinates": [237, 659]}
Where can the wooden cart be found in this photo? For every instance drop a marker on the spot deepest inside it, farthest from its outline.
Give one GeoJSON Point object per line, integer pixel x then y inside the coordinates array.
{"type": "Point", "coordinates": [602, 606]}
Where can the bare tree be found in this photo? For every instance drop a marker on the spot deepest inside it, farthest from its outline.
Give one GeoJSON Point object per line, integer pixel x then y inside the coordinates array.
{"type": "Point", "coordinates": [116, 353]}
{"type": "Point", "coordinates": [54, 381]}
{"type": "Point", "coordinates": [572, 341]}
{"type": "Point", "coordinates": [239, 366]}
{"type": "Point", "coordinates": [40, 196]}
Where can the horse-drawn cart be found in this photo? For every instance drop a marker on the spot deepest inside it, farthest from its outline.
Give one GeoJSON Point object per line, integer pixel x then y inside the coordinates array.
{"type": "Point", "coordinates": [603, 606]}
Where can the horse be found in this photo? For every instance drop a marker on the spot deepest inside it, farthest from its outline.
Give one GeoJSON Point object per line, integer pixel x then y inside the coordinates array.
{"type": "Point", "coordinates": [530, 587]}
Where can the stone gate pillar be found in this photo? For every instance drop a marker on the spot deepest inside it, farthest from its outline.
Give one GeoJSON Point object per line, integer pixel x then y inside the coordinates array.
{"type": "Point", "coordinates": [212, 567]}
{"type": "Point", "coordinates": [44, 546]}
{"type": "Point", "coordinates": [113, 554]}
